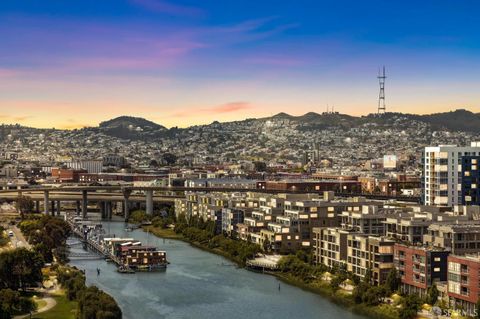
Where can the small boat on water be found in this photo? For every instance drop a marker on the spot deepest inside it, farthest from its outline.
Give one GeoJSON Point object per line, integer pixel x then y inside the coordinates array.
{"type": "Point", "coordinates": [125, 270]}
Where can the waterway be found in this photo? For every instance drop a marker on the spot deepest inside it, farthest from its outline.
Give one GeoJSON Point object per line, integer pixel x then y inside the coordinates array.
{"type": "Point", "coordinates": [198, 284]}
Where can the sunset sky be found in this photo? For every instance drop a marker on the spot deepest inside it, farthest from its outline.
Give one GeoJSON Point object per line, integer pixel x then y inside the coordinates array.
{"type": "Point", "coordinates": [69, 64]}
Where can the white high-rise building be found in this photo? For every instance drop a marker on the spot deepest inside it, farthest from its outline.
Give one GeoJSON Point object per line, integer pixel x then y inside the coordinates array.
{"type": "Point", "coordinates": [442, 171]}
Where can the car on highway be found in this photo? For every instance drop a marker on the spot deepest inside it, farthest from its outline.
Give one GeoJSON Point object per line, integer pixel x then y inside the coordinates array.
{"type": "Point", "coordinates": [10, 233]}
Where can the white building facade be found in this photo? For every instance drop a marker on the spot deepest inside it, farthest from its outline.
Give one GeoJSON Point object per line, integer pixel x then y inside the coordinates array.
{"type": "Point", "coordinates": [442, 169]}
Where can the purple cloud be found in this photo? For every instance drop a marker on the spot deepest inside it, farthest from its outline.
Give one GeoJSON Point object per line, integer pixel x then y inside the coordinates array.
{"type": "Point", "coordinates": [161, 6]}
{"type": "Point", "coordinates": [219, 109]}
{"type": "Point", "coordinates": [272, 60]}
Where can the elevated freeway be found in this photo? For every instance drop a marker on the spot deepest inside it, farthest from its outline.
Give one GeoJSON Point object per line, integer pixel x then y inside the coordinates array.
{"type": "Point", "coordinates": [107, 196]}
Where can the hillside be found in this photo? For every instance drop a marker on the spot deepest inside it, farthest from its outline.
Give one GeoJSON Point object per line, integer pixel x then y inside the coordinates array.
{"type": "Point", "coordinates": [128, 127]}
{"type": "Point", "coordinates": [126, 121]}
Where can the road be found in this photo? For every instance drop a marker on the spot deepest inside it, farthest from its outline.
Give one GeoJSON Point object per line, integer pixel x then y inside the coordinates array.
{"type": "Point", "coordinates": [17, 239]}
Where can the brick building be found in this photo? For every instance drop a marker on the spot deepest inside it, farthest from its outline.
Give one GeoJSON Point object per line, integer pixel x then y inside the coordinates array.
{"type": "Point", "coordinates": [420, 267]}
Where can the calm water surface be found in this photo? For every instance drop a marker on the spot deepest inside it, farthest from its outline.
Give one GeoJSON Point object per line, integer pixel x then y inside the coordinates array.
{"type": "Point", "coordinates": [198, 284]}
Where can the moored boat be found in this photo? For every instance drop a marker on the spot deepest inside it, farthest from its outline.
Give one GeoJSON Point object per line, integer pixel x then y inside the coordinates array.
{"type": "Point", "coordinates": [125, 270]}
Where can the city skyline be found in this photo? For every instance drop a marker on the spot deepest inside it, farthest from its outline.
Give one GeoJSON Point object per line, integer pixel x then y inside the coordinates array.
{"type": "Point", "coordinates": [181, 63]}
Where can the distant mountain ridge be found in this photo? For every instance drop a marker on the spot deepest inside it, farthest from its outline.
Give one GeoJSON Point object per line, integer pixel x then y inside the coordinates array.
{"type": "Point", "coordinates": [137, 128]}
{"type": "Point", "coordinates": [458, 120]}
{"type": "Point", "coordinates": [128, 127]}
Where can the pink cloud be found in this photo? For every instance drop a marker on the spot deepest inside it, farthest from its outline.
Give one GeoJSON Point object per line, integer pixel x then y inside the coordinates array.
{"type": "Point", "coordinates": [161, 6]}
{"type": "Point", "coordinates": [229, 107]}
{"type": "Point", "coordinates": [8, 73]}
{"type": "Point", "coordinates": [219, 109]}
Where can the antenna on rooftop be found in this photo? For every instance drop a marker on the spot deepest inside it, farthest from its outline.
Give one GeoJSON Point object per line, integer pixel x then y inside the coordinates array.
{"type": "Point", "coordinates": [381, 97]}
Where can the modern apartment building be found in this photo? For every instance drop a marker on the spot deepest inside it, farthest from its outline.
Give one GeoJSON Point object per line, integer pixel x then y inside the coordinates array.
{"type": "Point", "coordinates": [369, 220]}
{"type": "Point", "coordinates": [442, 173]}
{"type": "Point", "coordinates": [409, 227]}
{"type": "Point", "coordinates": [370, 253]}
{"type": "Point", "coordinates": [330, 246]}
{"type": "Point", "coordinates": [230, 218]}
{"type": "Point", "coordinates": [463, 282]}
{"type": "Point", "coordinates": [470, 180]}
{"type": "Point", "coordinates": [459, 239]}
{"type": "Point", "coordinates": [420, 267]}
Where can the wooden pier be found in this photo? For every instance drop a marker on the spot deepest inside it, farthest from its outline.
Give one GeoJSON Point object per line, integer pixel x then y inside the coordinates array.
{"type": "Point", "coordinates": [94, 246]}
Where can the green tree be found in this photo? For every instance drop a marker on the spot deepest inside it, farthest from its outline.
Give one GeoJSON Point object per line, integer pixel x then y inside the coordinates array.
{"type": "Point", "coordinates": [20, 268]}
{"type": "Point", "coordinates": [24, 204]}
{"type": "Point", "coordinates": [410, 307]}
{"type": "Point", "coordinates": [138, 217]}
{"type": "Point", "coordinates": [393, 281]}
{"type": "Point", "coordinates": [374, 295]}
{"type": "Point", "coordinates": [337, 280]}
{"type": "Point", "coordinates": [432, 295]}
{"type": "Point", "coordinates": [368, 277]}
{"type": "Point", "coordinates": [48, 235]}
{"type": "Point", "coordinates": [169, 158]}
{"type": "Point", "coordinates": [260, 166]}
{"type": "Point", "coordinates": [95, 304]}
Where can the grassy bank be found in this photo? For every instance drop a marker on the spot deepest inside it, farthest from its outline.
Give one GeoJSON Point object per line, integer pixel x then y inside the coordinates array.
{"type": "Point", "coordinates": [339, 297]}
{"type": "Point", "coordinates": [166, 233]}
{"type": "Point", "coordinates": [64, 308]}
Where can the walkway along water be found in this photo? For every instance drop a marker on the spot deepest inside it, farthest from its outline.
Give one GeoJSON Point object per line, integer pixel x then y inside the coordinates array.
{"type": "Point", "coordinates": [198, 284]}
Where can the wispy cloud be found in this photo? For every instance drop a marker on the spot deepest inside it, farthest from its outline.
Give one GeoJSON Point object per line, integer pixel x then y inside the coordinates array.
{"type": "Point", "coordinates": [8, 73]}
{"type": "Point", "coordinates": [11, 118]}
{"type": "Point", "coordinates": [219, 109]}
{"type": "Point", "coordinates": [161, 6]}
{"type": "Point", "coordinates": [132, 48]}
{"type": "Point", "coordinates": [229, 107]}
{"type": "Point", "coordinates": [275, 60]}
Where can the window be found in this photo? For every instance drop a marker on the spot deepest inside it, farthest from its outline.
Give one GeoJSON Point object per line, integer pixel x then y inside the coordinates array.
{"type": "Point", "coordinates": [454, 267]}
{"type": "Point", "coordinates": [454, 287]}
{"type": "Point", "coordinates": [437, 259]}
{"type": "Point", "coordinates": [436, 269]}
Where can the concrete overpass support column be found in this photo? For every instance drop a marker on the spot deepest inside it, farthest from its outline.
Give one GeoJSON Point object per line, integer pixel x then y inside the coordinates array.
{"type": "Point", "coordinates": [58, 208]}
{"type": "Point", "coordinates": [126, 208]}
{"type": "Point", "coordinates": [78, 208]}
{"type": "Point", "coordinates": [126, 203]}
{"type": "Point", "coordinates": [103, 209]}
{"type": "Point", "coordinates": [53, 207]}
{"type": "Point", "coordinates": [108, 208]}
{"type": "Point", "coordinates": [37, 206]}
{"type": "Point", "coordinates": [45, 202]}
{"type": "Point", "coordinates": [149, 202]}
{"type": "Point", "coordinates": [84, 204]}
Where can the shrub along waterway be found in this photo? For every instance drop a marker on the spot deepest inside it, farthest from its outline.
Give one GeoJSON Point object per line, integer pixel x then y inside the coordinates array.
{"type": "Point", "coordinates": [199, 284]}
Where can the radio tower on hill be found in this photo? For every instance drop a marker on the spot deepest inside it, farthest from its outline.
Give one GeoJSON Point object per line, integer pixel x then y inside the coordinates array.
{"type": "Point", "coordinates": [381, 96]}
